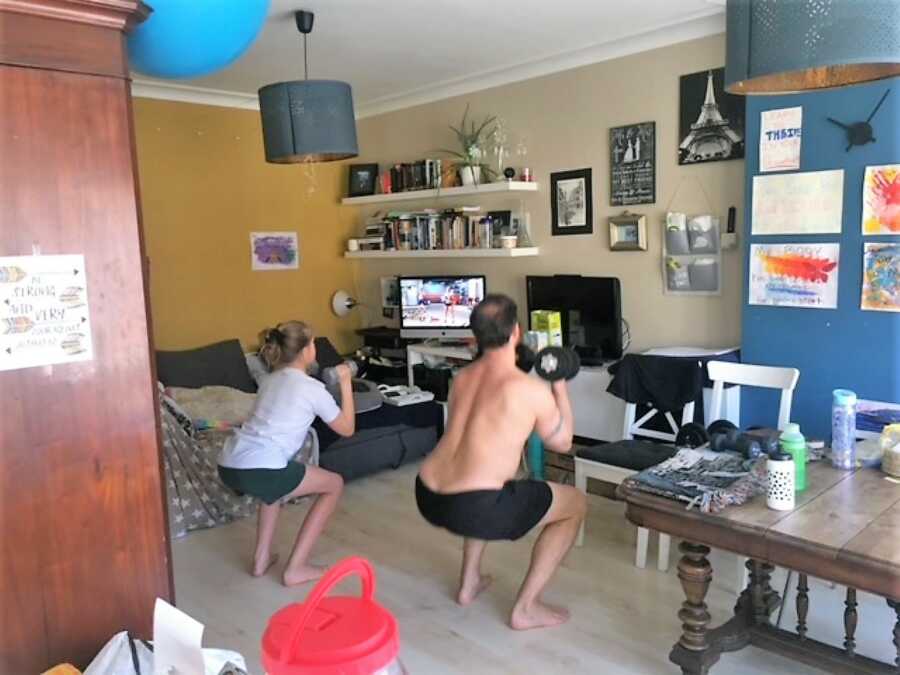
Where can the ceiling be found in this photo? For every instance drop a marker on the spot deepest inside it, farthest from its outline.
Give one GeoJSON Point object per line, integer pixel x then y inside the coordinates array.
{"type": "Point", "coordinates": [397, 53]}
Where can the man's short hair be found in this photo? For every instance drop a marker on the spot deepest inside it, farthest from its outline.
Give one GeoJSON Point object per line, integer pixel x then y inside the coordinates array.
{"type": "Point", "coordinates": [493, 321]}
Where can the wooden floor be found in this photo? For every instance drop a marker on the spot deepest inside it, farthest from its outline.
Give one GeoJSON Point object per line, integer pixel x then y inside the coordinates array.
{"type": "Point", "coordinates": [623, 619]}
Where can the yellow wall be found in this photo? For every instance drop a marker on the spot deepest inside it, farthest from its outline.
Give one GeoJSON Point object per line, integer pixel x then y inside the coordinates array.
{"type": "Point", "coordinates": [565, 119]}
{"type": "Point", "coordinates": [204, 187]}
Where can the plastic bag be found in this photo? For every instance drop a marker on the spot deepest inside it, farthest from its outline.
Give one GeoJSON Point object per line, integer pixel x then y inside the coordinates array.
{"type": "Point", "coordinates": [125, 655]}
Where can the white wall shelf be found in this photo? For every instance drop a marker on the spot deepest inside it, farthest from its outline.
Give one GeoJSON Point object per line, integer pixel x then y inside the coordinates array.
{"type": "Point", "coordinates": [443, 193]}
{"type": "Point", "coordinates": [450, 253]}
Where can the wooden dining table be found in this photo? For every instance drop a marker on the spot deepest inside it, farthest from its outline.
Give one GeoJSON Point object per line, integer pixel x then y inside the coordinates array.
{"type": "Point", "coordinates": [845, 528]}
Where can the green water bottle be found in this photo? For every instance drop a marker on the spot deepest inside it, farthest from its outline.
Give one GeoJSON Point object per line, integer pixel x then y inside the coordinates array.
{"type": "Point", "coordinates": [793, 443]}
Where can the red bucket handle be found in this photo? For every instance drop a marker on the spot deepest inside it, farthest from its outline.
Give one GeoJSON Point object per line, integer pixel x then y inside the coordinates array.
{"type": "Point", "coordinates": [343, 569]}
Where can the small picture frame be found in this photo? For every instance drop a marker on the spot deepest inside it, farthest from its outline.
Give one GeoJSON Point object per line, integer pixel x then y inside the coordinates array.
{"type": "Point", "coordinates": [571, 202]}
{"type": "Point", "coordinates": [363, 179]}
{"type": "Point", "coordinates": [628, 232]}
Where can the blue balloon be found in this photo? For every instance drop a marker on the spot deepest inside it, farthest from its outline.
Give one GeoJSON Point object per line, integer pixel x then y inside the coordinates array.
{"type": "Point", "coordinates": [190, 38]}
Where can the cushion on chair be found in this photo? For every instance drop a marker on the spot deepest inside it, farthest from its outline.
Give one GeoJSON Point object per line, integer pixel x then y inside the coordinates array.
{"type": "Point", "coordinates": [221, 364]}
{"type": "Point", "coordinates": [635, 455]}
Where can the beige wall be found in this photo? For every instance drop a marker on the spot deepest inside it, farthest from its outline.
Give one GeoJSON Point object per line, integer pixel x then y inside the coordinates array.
{"type": "Point", "coordinates": [565, 120]}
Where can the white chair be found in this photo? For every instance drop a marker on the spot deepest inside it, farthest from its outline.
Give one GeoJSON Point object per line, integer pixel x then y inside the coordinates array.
{"type": "Point", "coordinates": [587, 468]}
{"type": "Point", "coordinates": [748, 375]}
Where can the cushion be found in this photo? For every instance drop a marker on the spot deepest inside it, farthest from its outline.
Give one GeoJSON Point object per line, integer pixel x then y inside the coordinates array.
{"type": "Point", "coordinates": [214, 407]}
{"type": "Point", "coordinates": [222, 364]}
{"type": "Point", "coordinates": [634, 455]}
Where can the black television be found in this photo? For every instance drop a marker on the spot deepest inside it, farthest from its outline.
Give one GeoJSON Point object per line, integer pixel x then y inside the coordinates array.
{"type": "Point", "coordinates": [591, 310]}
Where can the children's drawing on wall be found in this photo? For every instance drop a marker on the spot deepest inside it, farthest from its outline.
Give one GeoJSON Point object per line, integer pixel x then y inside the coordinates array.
{"type": "Point", "coordinates": [780, 133]}
{"type": "Point", "coordinates": [881, 200]}
{"type": "Point", "coordinates": [881, 277]}
{"type": "Point", "coordinates": [274, 251]}
{"type": "Point", "coordinates": [794, 275]}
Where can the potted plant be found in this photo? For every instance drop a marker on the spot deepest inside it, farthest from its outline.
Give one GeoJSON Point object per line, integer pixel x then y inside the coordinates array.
{"type": "Point", "coordinates": [471, 138]}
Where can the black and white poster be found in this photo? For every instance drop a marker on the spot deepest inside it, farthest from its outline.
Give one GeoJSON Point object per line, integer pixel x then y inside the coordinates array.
{"type": "Point", "coordinates": [571, 202]}
{"type": "Point", "coordinates": [632, 170]}
{"type": "Point", "coordinates": [711, 127]}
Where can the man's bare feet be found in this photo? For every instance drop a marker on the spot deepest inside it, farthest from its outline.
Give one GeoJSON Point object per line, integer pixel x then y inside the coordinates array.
{"type": "Point", "coordinates": [538, 615]}
{"type": "Point", "coordinates": [470, 588]}
{"type": "Point", "coordinates": [302, 574]}
{"type": "Point", "coordinates": [260, 567]}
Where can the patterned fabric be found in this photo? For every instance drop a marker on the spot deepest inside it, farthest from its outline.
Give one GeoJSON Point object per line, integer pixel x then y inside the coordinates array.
{"type": "Point", "coordinates": [196, 498]}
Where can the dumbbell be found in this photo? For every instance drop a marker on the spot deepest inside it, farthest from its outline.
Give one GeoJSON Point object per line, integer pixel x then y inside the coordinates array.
{"type": "Point", "coordinates": [330, 375]}
{"type": "Point", "coordinates": [556, 363]}
{"type": "Point", "coordinates": [723, 435]}
{"type": "Point", "coordinates": [524, 357]}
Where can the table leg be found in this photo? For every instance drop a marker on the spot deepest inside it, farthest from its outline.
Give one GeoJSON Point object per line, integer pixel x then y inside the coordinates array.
{"type": "Point", "coordinates": [692, 651]}
{"type": "Point", "coordinates": [763, 596]}
{"type": "Point", "coordinates": [850, 619]}
{"type": "Point", "coordinates": [802, 605]}
{"type": "Point", "coordinates": [895, 605]}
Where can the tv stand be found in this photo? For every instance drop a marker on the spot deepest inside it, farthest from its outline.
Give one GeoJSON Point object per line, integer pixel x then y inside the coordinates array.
{"type": "Point", "coordinates": [415, 354]}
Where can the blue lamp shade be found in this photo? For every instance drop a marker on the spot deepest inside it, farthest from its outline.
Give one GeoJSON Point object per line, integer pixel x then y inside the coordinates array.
{"type": "Point", "coordinates": [777, 46]}
{"type": "Point", "coordinates": [308, 121]}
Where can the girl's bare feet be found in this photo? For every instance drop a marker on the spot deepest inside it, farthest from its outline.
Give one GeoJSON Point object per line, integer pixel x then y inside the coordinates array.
{"type": "Point", "coordinates": [538, 615]}
{"type": "Point", "coordinates": [300, 575]}
{"type": "Point", "coordinates": [470, 588]}
{"type": "Point", "coordinates": [260, 567]}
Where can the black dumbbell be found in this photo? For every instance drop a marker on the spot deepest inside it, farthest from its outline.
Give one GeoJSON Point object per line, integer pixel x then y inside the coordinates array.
{"type": "Point", "coordinates": [524, 357]}
{"type": "Point", "coordinates": [691, 435]}
{"type": "Point", "coordinates": [556, 363]}
{"type": "Point", "coordinates": [723, 435]}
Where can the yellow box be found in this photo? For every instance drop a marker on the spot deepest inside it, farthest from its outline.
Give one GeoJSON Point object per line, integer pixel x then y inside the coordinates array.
{"type": "Point", "coordinates": [548, 321]}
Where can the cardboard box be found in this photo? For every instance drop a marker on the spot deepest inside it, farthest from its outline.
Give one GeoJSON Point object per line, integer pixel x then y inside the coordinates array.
{"type": "Point", "coordinates": [550, 322]}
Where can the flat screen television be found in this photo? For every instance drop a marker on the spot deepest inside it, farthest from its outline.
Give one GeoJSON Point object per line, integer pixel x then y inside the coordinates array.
{"type": "Point", "coordinates": [591, 309]}
{"type": "Point", "coordinates": [438, 306]}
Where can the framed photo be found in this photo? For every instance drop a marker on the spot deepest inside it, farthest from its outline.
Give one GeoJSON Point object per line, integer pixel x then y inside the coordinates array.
{"type": "Point", "coordinates": [632, 164]}
{"type": "Point", "coordinates": [390, 292]}
{"type": "Point", "coordinates": [711, 125]}
{"type": "Point", "coordinates": [274, 251]}
{"type": "Point", "coordinates": [628, 232]}
{"type": "Point", "coordinates": [363, 178]}
{"type": "Point", "coordinates": [571, 203]}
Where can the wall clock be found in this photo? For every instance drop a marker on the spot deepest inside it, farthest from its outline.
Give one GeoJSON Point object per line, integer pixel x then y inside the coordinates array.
{"type": "Point", "coordinates": [860, 133]}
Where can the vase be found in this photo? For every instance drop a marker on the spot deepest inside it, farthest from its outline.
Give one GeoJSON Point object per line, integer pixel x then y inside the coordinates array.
{"type": "Point", "coordinates": [470, 175]}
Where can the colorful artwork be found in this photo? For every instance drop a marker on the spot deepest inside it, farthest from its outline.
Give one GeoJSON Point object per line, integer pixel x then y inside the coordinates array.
{"type": "Point", "coordinates": [794, 275]}
{"type": "Point", "coordinates": [881, 200]}
{"type": "Point", "coordinates": [274, 251]}
{"type": "Point", "coordinates": [881, 277]}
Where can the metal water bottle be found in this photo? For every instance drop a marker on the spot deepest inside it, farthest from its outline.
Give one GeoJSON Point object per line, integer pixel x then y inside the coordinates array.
{"type": "Point", "coordinates": [780, 472]}
{"type": "Point", "coordinates": [843, 429]}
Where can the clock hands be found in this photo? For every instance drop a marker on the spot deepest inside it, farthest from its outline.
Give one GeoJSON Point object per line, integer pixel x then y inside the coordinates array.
{"type": "Point", "coordinates": [878, 106]}
{"type": "Point", "coordinates": [840, 124]}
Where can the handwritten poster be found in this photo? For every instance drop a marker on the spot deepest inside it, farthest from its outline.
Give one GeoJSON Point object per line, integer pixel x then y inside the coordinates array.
{"type": "Point", "coordinates": [794, 275]}
{"type": "Point", "coordinates": [780, 132]}
{"type": "Point", "coordinates": [798, 203]}
{"type": "Point", "coordinates": [44, 317]}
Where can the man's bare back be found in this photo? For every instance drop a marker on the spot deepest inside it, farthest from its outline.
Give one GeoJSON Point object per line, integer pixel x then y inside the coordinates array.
{"type": "Point", "coordinates": [493, 409]}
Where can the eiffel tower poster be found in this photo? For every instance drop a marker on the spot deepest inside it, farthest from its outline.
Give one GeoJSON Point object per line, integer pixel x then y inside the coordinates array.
{"type": "Point", "coordinates": [712, 121]}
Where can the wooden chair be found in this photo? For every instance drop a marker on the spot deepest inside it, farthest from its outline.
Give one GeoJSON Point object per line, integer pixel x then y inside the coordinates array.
{"type": "Point", "coordinates": [748, 375]}
{"type": "Point", "coordinates": [585, 468]}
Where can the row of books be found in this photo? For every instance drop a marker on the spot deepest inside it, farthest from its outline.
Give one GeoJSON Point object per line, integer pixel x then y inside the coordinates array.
{"type": "Point", "coordinates": [436, 231]}
{"type": "Point", "coordinates": [422, 175]}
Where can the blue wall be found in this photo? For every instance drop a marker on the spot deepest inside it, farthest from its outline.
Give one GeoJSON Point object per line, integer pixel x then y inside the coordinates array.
{"type": "Point", "coordinates": [844, 347]}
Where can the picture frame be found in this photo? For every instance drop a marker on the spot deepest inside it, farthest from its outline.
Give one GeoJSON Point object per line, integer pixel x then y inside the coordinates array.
{"type": "Point", "coordinates": [362, 180]}
{"type": "Point", "coordinates": [709, 131]}
{"type": "Point", "coordinates": [571, 202]}
{"type": "Point", "coordinates": [632, 164]}
{"type": "Point", "coordinates": [628, 232]}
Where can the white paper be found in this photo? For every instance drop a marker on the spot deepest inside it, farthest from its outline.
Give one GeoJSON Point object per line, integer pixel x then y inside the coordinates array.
{"type": "Point", "coordinates": [177, 640]}
{"type": "Point", "coordinates": [780, 133]}
{"type": "Point", "coordinates": [798, 203]}
{"type": "Point", "coordinates": [44, 314]}
{"type": "Point", "coordinates": [794, 275]}
{"type": "Point", "coordinates": [274, 251]}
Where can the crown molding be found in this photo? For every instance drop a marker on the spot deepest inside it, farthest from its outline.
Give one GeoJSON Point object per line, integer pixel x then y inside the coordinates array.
{"type": "Point", "coordinates": [701, 24]}
{"type": "Point", "coordinates": [118, 14]}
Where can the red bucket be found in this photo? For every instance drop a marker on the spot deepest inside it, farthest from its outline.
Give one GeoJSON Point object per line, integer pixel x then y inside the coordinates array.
{"type": "Point", "coordinates": [338, 634]}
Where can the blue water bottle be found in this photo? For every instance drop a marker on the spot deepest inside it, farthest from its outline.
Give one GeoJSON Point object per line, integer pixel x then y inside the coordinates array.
{"type": "Point", "coordinates": [843, 429]}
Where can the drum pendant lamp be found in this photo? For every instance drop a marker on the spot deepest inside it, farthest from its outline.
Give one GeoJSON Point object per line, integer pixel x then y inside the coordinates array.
{"type": "Point", "coordinates": [780, 46]}
{"type": "Point", "coordinates": [307, 120]}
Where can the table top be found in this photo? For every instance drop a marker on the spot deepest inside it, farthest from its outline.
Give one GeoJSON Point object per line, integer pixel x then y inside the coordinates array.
{"type": "Point", "coordinates": [845, 527]}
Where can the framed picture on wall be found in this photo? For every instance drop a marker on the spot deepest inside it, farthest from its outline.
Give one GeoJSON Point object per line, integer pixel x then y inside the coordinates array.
{"type": "Point", "coordinates": [571, 202]}
{"type": "Point", "coordinates": [632, 164]}
{"type": "Point", "coordinates": [363, 178]}
{"type": "Point", "coordinates": [711, 124]}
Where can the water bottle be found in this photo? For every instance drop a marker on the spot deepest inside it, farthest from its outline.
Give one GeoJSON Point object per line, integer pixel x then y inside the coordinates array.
{"type": "Point", "coordinates": [793, 443]}
{"type": "Point", "coordinates": [843, 429]}
{"type": "Point", "coordinates": [780, 474]}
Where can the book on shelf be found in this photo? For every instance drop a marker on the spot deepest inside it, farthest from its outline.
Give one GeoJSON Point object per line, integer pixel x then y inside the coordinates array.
{"type": "Point", "coordinates": [432, 230]}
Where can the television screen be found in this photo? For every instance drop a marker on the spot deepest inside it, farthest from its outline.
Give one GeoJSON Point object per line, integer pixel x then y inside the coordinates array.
{"type": "Point", "coordinates": [591, 311]}
{"type": "Point", "coordinates": [439, 303]}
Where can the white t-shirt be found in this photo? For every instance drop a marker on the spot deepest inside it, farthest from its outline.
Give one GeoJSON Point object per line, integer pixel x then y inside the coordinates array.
{"type": "Point", "coordinates": [288, 402]}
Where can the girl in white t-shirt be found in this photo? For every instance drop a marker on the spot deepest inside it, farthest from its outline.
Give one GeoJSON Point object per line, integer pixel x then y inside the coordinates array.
{"type": "Point", "coordinates": [258, 458]}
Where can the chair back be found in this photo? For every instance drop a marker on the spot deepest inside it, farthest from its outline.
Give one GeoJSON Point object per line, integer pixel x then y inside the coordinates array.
{"type": "Point", "coordinates": [745, 374]}
{"type": "Point", "coordinates": [633, 426]}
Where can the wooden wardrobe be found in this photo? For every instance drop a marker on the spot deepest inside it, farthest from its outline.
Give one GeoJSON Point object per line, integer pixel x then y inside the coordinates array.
{"type": "Point", "coordinates": [82, 503]}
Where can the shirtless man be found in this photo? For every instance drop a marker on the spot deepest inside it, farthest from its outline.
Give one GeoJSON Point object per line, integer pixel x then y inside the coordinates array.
{"type": "Point", "coordinates": [466, 484]}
